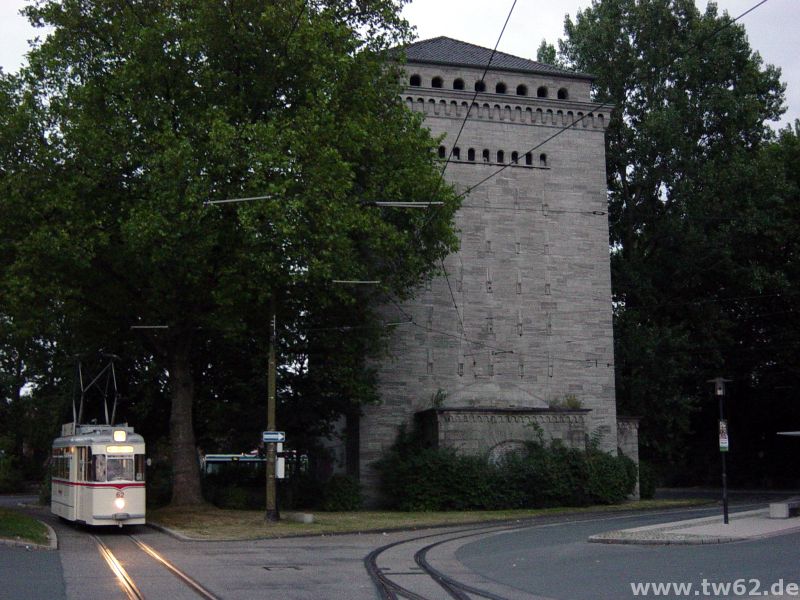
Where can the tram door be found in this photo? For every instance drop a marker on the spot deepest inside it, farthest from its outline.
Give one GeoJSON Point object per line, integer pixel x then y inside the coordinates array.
{"type": "Point", "coordinates": [63, 492]}
{"type": "Point", "coordinates": [83, 497]}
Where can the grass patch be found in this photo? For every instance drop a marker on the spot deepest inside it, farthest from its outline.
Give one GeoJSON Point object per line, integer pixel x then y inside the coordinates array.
{"type": "Point", "coordinates": [17, 526]}
{"type": "Point", "coordinates": [211, 523]}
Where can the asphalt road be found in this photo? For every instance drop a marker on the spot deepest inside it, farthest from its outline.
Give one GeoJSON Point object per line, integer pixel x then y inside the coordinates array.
{"type": "Point", "coordinates": [549, 559]}
{"type": "Point", "coordinates": [557, 562]}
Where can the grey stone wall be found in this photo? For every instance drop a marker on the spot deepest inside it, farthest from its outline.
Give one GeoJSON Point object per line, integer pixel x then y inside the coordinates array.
{"type": "Point", "coordinates": [628, 443]}
{"type": "Point", "coordinates": [523, 317]}
{"type": "Point", "coordinates": [494, 432]}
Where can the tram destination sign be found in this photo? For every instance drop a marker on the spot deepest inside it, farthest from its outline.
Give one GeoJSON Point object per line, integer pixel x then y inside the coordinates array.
{"type": "Point", "coordinates": [273, 437]}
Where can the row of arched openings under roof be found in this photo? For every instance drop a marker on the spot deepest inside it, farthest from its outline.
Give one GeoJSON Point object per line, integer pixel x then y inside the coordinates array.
{"type": "Point", "coordinates": [500, 156]}
{"type": "Point", "coordinates": [499, 88]}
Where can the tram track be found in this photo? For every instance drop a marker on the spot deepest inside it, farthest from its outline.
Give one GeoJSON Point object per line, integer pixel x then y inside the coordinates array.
{"type": "Point", "coordinates": [124, 579]}
{"type": "Point", "coordinates": [390, 589]}
{"type": "Point", "coordinates": [128, 583]}
{"type": "Point", "coordinates": [391, 583]}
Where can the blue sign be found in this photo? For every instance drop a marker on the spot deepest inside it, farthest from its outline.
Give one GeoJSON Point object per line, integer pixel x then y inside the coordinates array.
{"type": "Point", "coordinates": [274, 437]}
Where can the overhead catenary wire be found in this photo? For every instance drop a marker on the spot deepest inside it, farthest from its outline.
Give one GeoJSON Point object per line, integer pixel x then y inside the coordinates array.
{"type": "Point", "coordinates": [495, 173]}
{"type": "Point", "coordinates": [511, 163]}
{"type": "Point", "coordinates": [475, 95]}
{"type": "Point", "coordinates": [602, 106]}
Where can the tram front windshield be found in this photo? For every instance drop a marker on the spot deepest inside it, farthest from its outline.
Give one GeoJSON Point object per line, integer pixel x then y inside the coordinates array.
{"type": "Point", "coordinates": [120, 469]}
{"type": "Point", "coordinates": [117, 468]}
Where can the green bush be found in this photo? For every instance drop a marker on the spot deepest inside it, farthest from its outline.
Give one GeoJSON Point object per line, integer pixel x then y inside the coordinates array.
{"type": "Point", "coordinates": [610, 480]}
{"type": "Point", "coordinates": [10, 476]}
{"type": "Point", "coordinates": [158, 484]}
{"type": "Point", "coordinates": [647, 480]}
{"type": "Point", "coordinates": [45, 490]}
{"type": "Point", "coordinates": [431, 479]}
{"type": "Point", "coordinates": [302, 491]}
{"type": "Point", "coordinates": [341, 493]}
{"type": "Point", "coordinates": [416, 478]}
{"type": "Point", "coordinates": [237, 498]}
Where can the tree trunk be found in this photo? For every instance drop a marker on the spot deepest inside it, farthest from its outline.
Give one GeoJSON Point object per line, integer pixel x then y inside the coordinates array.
{"type": "Point", "coordinates": [185, 466]}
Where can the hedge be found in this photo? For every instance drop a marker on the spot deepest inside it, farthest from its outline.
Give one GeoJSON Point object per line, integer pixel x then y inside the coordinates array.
{"type": "Point", "coordinates": [418, 478]}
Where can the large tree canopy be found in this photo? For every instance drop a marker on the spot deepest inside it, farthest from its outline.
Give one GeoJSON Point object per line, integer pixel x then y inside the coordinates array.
{"type": "Point", "coordinates": [132, 114]}
{"type": "Point", "coordinates": [695, 204]}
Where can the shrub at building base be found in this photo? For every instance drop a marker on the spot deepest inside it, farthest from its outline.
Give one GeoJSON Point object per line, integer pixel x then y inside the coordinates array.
{"type": "Point", "coordinates": [341, 493]}
{"type": "Point", "coordinates": [417, 478]}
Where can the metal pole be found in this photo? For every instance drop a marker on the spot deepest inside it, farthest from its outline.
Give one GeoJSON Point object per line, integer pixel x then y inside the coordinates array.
{"type": "Point", "coordinates": [724, 462]}
{"type": "Point", "coordinates": [272, 500]}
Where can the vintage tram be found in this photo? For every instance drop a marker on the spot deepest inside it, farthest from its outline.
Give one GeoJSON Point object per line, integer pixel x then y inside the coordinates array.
{"type": "Point", "coordinates": [98, 475]}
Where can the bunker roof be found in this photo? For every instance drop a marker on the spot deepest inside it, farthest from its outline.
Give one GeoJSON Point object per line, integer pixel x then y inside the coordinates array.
{"type": "Point", "coordinates": [447, 51]}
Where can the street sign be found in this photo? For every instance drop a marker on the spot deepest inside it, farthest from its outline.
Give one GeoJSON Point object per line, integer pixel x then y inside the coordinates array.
{"type": "Point", "coordinates": [723, 436]}
{"type": "Point", "coordinates": [273, 437]}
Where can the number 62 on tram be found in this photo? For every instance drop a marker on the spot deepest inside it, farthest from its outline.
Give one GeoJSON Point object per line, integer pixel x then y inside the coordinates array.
{"type": "Point", "coordinates": [98, 475]}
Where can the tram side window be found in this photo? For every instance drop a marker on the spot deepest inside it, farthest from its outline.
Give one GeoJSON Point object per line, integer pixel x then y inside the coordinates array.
{"type": "Point", "coordinates": [140, 462]}
{"type": "Point", "coordinates": [84, 464]}
{"type": "Point", "coordinates": [120, 469]}
{"type": "Point", "coordinates": [99, 467]}
{"type": "Point", "coordinates": [60, 463]}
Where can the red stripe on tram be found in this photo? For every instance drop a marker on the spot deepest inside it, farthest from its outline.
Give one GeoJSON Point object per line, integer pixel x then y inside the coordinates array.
{"type": "Point", "coordinates": [118, 486]}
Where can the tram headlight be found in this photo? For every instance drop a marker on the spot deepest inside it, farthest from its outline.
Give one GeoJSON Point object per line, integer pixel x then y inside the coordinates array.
{"type": "Point", "coordinates": [119, 503]}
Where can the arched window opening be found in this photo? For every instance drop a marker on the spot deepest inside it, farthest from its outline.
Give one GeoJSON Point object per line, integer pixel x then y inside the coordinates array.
{"type": "Point", "coordinates": [458, 84]}
{"type": "Point", "coordinates": [515, 157]}
{"type": "Point", "coordinates": [541, 92]}
{"type": "Point", "coordinates": [480, 86]}
{"type": "Point", "coordinates": [543, 160]}
{"type": "Point", "coordinates": [456, 153]}
{"type": "Point", "coordinates": [485, 156]}
{"type": "Point", "coordinates": [500, 88]}
{"type": "Point", "coordinates": [436, 82]}
{"type": "Point", "coordinates": [501, 156]}
{"type": "Point", "coordinates": [415, 81]}
{"type": "Point", "coordinates": [563, 94]}
{"type": "Point", "coordinates": [529, 159]}
{"type": "Point", "coordinates": [522, 90]}
{"type": "Point", "coordinates": [471, 155]}
{"type": "Point", "coordinates": [442, 152]}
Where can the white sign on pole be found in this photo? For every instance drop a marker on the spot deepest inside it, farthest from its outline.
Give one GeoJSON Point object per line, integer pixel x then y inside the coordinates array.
{"type": "Point", "coordinates": [723, 436]}
{"type": "Point", "coordinates": [273, 437]}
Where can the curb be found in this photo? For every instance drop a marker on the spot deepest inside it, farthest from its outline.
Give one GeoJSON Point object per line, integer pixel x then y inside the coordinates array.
{"type": "Point", "coordinates": [175, 534]}
{"type": "Point", "coordinates": [52, 541]}
{"type": "Point", "coordinates": [620, 538]}
{"type": "Point", "coordinates": [668, 534]}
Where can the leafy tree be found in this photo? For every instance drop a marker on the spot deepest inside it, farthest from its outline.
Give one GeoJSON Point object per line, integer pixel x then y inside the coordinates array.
{"type": "Point", "coordinates": [546, 53]}
{"type": "Point", "coordinates": [687, 189]}
{"type": "Point", "coordinates": [137, 112]}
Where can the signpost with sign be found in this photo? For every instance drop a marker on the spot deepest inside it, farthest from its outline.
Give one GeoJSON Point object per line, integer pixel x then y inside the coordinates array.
{"type": "Point", "coordinates": [723, 436]}
{"type": "Point", "coordinates": [724, 444]}
{"type": "Point", "coordinates": [273, 437]}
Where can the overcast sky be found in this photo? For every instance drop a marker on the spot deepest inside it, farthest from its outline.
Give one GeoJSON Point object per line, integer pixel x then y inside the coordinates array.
{"type": "Point", "coordinates": [770, 27]}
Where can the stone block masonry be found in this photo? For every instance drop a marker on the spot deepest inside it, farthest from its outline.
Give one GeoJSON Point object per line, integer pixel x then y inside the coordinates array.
{"type": "Point", "coordinates": [522, 320]}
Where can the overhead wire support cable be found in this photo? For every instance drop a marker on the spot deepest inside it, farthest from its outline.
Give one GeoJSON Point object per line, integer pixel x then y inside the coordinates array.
{"type": "Point", "coordinates": [455, 143]}
{"type": "Point", "coordinates": [233, 200]}
{"type": "Point", "coordinates": [603, 105]}
{"type": "Point", "coordinates": [475, 95]}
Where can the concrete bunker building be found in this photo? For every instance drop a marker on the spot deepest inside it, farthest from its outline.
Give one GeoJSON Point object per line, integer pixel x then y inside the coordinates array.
{"type": "Point", "coordinates": [517, 335]}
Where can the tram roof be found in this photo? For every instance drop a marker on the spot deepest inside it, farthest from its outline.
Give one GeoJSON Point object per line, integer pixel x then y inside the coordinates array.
{"type": "Point", "coordinates": [81, 435]}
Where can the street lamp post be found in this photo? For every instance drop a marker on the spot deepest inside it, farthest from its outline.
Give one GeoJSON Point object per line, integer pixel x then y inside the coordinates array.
{"type": "Point", "coordinates": [719, 392]}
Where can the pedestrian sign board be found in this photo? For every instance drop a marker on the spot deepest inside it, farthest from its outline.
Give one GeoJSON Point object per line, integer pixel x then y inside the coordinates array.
{"type": "Point", "coordinates": [273, 437]}
{"type": "Point", "coordinates": [723, 436]}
